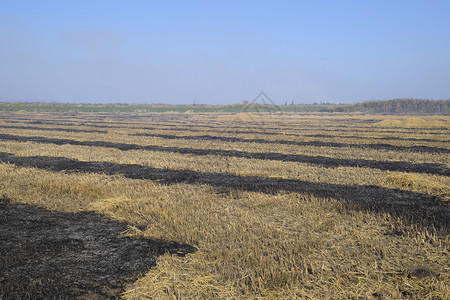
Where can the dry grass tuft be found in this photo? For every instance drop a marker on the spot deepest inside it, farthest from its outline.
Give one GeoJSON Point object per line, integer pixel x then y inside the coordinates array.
{"type": "Point", "coordinates": [418, 183]}
{"type": "Point", "coordinates": [64, 192]}
{"type": "Point", "coordinates": [413, 122]}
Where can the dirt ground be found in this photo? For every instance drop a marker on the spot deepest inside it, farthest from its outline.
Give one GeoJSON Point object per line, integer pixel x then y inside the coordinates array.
{"type": "Point", "coordinates": [48, 255]}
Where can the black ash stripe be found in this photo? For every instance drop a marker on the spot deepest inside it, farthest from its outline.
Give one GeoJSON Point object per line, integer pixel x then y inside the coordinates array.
{"type": "Point", "coordinates": [403, 166]}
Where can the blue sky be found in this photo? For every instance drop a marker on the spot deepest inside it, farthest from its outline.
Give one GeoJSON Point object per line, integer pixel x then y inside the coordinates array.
{"type": "Point", "coordinates": [223, 52]}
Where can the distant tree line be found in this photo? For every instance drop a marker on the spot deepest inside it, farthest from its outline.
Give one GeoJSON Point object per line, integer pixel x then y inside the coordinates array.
{"type": "Point", "coordinates": [398, 106]}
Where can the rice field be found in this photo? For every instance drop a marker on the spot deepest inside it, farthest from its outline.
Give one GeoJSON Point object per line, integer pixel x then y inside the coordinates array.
{"type": "Point", "coordinates": [244, 205]}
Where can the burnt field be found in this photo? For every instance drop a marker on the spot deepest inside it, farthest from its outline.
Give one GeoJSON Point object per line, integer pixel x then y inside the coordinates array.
{"type": "Point", "coordinates": [224, 205]}
{"type": "Point", "coordinates": [49, 254]}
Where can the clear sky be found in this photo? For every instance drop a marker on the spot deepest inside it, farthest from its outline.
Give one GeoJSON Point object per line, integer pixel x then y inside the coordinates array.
{"type": "Point", "coordinates": [223, 52]}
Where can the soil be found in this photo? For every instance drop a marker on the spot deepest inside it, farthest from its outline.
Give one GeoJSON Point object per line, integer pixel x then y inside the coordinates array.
{"type": "Point", "coordinates": [54, 255]}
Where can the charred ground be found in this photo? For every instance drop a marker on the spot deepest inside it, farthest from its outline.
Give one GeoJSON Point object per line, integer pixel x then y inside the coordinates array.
{"type": "Point", "coordinates": [46, 254]}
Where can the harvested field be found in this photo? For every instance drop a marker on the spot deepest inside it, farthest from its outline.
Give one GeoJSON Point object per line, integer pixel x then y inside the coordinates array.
{"type": "Point", "coordinates": [439, 169]}
{"type": "Point", "coordinates": [222, 205]}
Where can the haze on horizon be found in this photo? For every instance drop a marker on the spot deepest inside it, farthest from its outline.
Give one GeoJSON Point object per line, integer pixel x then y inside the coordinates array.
{"type": "Point", "coordinates": [223, 52]}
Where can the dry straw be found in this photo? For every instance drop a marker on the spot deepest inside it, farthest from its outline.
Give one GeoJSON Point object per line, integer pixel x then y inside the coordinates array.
{"type": "Point", "coordinates": [251, 245]}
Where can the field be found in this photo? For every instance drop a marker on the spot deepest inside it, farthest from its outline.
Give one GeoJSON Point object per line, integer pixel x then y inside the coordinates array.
{"type": "Point", "coordinates": [203, 205]}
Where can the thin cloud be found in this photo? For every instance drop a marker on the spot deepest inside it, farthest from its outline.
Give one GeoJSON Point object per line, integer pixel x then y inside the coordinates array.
{"type": "Point", "coordinates": [93, 40]}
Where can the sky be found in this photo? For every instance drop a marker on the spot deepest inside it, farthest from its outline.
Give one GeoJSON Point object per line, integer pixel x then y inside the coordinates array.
{"type": "Point", "coordinates": [223, 52]}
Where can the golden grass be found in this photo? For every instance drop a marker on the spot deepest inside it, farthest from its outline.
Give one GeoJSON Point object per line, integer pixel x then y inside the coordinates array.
{"type": "Point", "coordinates": [414, 122]}
{"type": "Point", "coordinates": [423, 183]}
{"type": "Point", "coordinates": [327, 151]}
{"type": "Point", "coordinates": [251, 245]}
{"type": "Point", "coordinates": [418, 183]}
{"type": "Point", "coordinates": [50, 190]}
